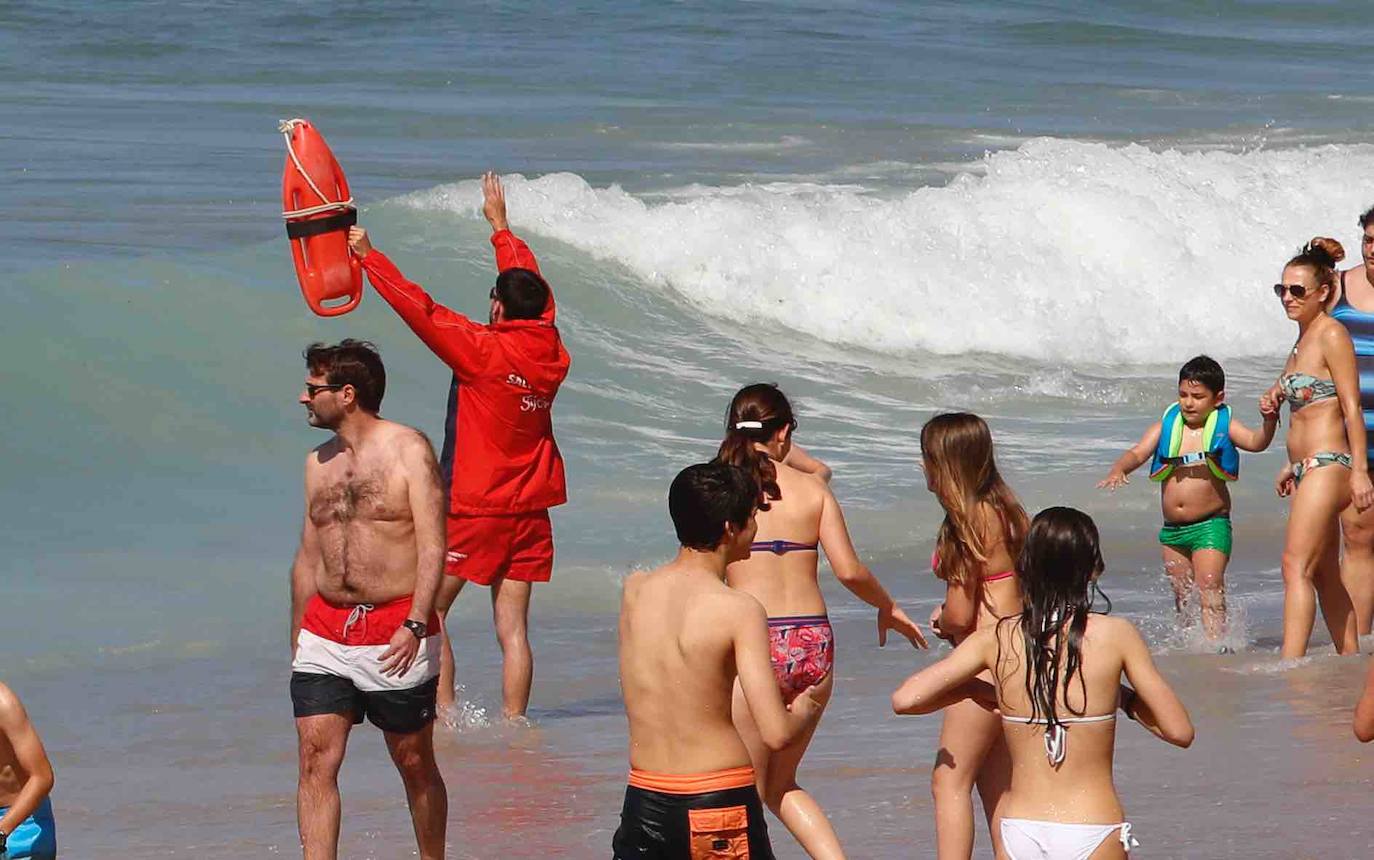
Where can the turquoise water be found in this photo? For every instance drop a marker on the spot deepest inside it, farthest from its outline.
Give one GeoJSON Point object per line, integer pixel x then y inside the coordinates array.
{"type": "Point", "coordinates": [1032, 210]}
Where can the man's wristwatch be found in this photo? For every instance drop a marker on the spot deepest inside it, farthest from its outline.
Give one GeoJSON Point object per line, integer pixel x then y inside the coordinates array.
{"type": "Point", "coordinates": [419, 628]}
{"type": "Point", "coordinates": [4, 838]}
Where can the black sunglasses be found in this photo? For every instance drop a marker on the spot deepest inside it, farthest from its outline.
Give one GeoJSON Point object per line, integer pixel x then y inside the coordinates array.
{"type": "Point", "coordinates": [312, 390]}
{"type": "Point", "coordinates": [1297, 291]}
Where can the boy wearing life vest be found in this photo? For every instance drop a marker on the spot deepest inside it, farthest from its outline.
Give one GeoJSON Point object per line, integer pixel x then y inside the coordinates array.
{"type": "Point", "coordinates": [1194, 451]}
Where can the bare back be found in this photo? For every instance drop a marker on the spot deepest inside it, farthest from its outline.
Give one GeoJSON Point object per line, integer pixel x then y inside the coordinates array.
{"type": "Point", "coordinates": [988, 593]}
{"type": "Point", "coordinates": [677, 669]}
{"type": "Point", "coordinates": [999, 597]}
{"type": "Point", "coordinates": [1080, 789]}
{"type": "Point", "coordinates": [786, 583]}
{"type": "Point", "coordinates": [358, 502]}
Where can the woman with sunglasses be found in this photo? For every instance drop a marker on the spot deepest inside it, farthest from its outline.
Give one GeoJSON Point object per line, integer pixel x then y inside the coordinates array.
{"type": "Point", "coordinates": [1328, 466]}
{"type": "Point", "coordinates": [797, 516]}
{"type": "Point", "coordinates": [1353, 307]}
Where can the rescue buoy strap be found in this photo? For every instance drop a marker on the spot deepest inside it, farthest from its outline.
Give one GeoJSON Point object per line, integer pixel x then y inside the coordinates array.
{"type": "Point", "coordinates": [302, 229]}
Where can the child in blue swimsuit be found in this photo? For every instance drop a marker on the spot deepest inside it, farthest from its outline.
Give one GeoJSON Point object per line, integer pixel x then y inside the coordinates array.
{"type": "Point", "coordinates": [26, 823]}
{"type": "Point", "coordinates": [1195, 452]}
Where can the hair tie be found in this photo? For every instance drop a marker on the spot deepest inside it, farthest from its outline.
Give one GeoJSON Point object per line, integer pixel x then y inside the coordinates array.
{"type": "Point", "coordinates": [748, 425]}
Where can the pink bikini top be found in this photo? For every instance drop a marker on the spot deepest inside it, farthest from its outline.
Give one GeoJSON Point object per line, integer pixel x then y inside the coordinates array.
{"type": "Point", "coordinates": [991, 577]}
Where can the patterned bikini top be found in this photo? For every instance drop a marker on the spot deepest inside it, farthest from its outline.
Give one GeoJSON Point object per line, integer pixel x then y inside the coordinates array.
{"type": "Point", "coordinates": [1303, 389]}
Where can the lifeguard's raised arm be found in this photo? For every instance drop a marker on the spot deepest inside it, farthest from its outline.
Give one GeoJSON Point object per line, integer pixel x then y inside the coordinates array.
{"type": "Point", "coordinates": [458, 341]}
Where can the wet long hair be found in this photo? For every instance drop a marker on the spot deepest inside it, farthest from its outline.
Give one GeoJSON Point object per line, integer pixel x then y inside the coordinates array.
{"type": "Point", "coordinates": [756, 413]}
{"type": "Point", "coordinates": [1058, 569]}
{"type": "Point", "coordinates": [957, 450]}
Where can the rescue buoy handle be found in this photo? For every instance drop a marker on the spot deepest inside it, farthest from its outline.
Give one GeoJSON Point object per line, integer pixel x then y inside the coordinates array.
{"type": "Point", "coordinates": [302, 229]}
{"type": "Point", "coordinates": [326, 311]}
{"type": "Point", "coordinates": [287, 126]}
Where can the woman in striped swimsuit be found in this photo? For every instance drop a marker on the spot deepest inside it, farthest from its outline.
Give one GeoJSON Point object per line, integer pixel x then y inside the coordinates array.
{"type": "Point", "coordinates": [1353, 307]}
{"type": "Point", "coordinates": [797, 516]}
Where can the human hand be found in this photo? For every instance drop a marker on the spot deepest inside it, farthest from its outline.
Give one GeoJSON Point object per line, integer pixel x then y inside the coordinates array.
{"type": "Point", "coordinates": [1269, 403]}
{"type": "Point", "coordinates": [1115, 478]}
{"type": "Point", "coordinates": [807, 705]}
{"type": "Point", "coordinates": [934, 622]}
{"type": "Point", "coordinates": [400, 653]}
{"type": "Point", "coordinates": [494, 202]}
{"type": "Point", "coordinates": [1285, 483]}
{"type": "Point", "coordinates": [893, 618]}
{"type": "Point", "coordinates": [358, 242]}
{"type": "Point", "coordinates": [1361, 490]}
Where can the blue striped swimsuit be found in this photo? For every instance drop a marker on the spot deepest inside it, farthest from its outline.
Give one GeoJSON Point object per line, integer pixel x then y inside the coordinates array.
{"type": "Point", "coordinates": [1360, 324]}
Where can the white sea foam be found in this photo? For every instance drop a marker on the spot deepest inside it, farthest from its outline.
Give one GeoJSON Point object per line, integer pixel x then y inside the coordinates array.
{"type": "Point", "coordinates": [1059, 250]}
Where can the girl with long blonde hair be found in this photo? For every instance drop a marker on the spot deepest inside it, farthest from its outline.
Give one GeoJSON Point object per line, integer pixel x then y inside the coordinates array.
{"type": "Point", "coordinates": [975, 552]}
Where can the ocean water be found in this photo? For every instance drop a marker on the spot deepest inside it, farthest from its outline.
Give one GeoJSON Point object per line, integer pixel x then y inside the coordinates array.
{"type": "Point", "coordinates": [1031, 210]}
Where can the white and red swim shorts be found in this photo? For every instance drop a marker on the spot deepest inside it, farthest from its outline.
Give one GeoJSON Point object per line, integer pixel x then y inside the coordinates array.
{"type": "Point", "coordinates": [338, 666]}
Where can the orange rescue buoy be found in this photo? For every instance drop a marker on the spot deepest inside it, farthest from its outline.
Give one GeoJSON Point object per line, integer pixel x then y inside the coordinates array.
{"type": "Point", "coordinates": [319, 210]}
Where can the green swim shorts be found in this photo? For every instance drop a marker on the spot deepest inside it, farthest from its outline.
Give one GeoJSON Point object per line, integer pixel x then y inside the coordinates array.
{"type": "Point", "coordinates": [1211, 533]}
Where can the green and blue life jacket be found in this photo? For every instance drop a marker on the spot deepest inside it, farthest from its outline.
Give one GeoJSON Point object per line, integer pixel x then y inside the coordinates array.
{"type": "Point", "coordinates": [1219, 453]}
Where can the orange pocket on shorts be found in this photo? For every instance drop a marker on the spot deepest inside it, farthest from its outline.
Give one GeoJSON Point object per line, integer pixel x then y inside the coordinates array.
{"type": "Point", "coordinates": [719, 834]}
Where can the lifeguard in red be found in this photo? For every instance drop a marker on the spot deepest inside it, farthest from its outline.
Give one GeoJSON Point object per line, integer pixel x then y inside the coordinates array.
{"type": "Point", "coordinates": [499, 461]}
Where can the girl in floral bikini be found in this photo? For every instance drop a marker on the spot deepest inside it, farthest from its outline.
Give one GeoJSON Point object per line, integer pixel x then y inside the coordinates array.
{"type": "Point", "coordinates": [797, 516]}
{"type": "Point", "coordinates": [975, 552]}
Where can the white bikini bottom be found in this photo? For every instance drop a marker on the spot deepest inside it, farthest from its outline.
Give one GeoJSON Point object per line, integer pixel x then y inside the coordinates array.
{"type": "Point", "coordinates": [1028, 839]}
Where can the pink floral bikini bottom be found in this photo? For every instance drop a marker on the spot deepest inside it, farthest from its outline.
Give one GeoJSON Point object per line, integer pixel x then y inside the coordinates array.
{"type": "Point", "coordinates": [803, 652]}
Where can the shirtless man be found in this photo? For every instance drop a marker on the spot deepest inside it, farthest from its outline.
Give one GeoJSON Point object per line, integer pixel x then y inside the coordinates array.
{"type": "Point", "coordinates": [26, 823]}
{"type": "Point", "coordinates": [362, 595]}
{"type": "Point", "coordinates": [684, 638]}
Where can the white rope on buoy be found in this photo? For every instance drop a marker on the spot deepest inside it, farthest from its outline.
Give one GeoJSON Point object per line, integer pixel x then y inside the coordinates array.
{"type": "Point", "coordinates": [287, 126]}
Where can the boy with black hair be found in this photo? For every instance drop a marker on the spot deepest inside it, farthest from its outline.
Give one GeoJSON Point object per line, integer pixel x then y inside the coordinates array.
{"type": "Point", "coordinates": [1195, 452]}
{"type": "Point", "coordinates": [685, 637]}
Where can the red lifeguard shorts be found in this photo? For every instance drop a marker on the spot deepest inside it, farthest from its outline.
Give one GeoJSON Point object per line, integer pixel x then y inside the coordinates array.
{"type": "Point", "coordinates": [513, 546]}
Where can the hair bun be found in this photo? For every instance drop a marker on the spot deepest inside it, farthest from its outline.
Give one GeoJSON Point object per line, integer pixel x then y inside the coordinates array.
{"type": "Point", "coordinates": [1327, 246]}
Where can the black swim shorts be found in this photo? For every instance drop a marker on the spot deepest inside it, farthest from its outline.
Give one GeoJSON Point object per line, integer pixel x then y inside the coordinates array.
{"type": "Point", "coordinates": [400, 711]}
